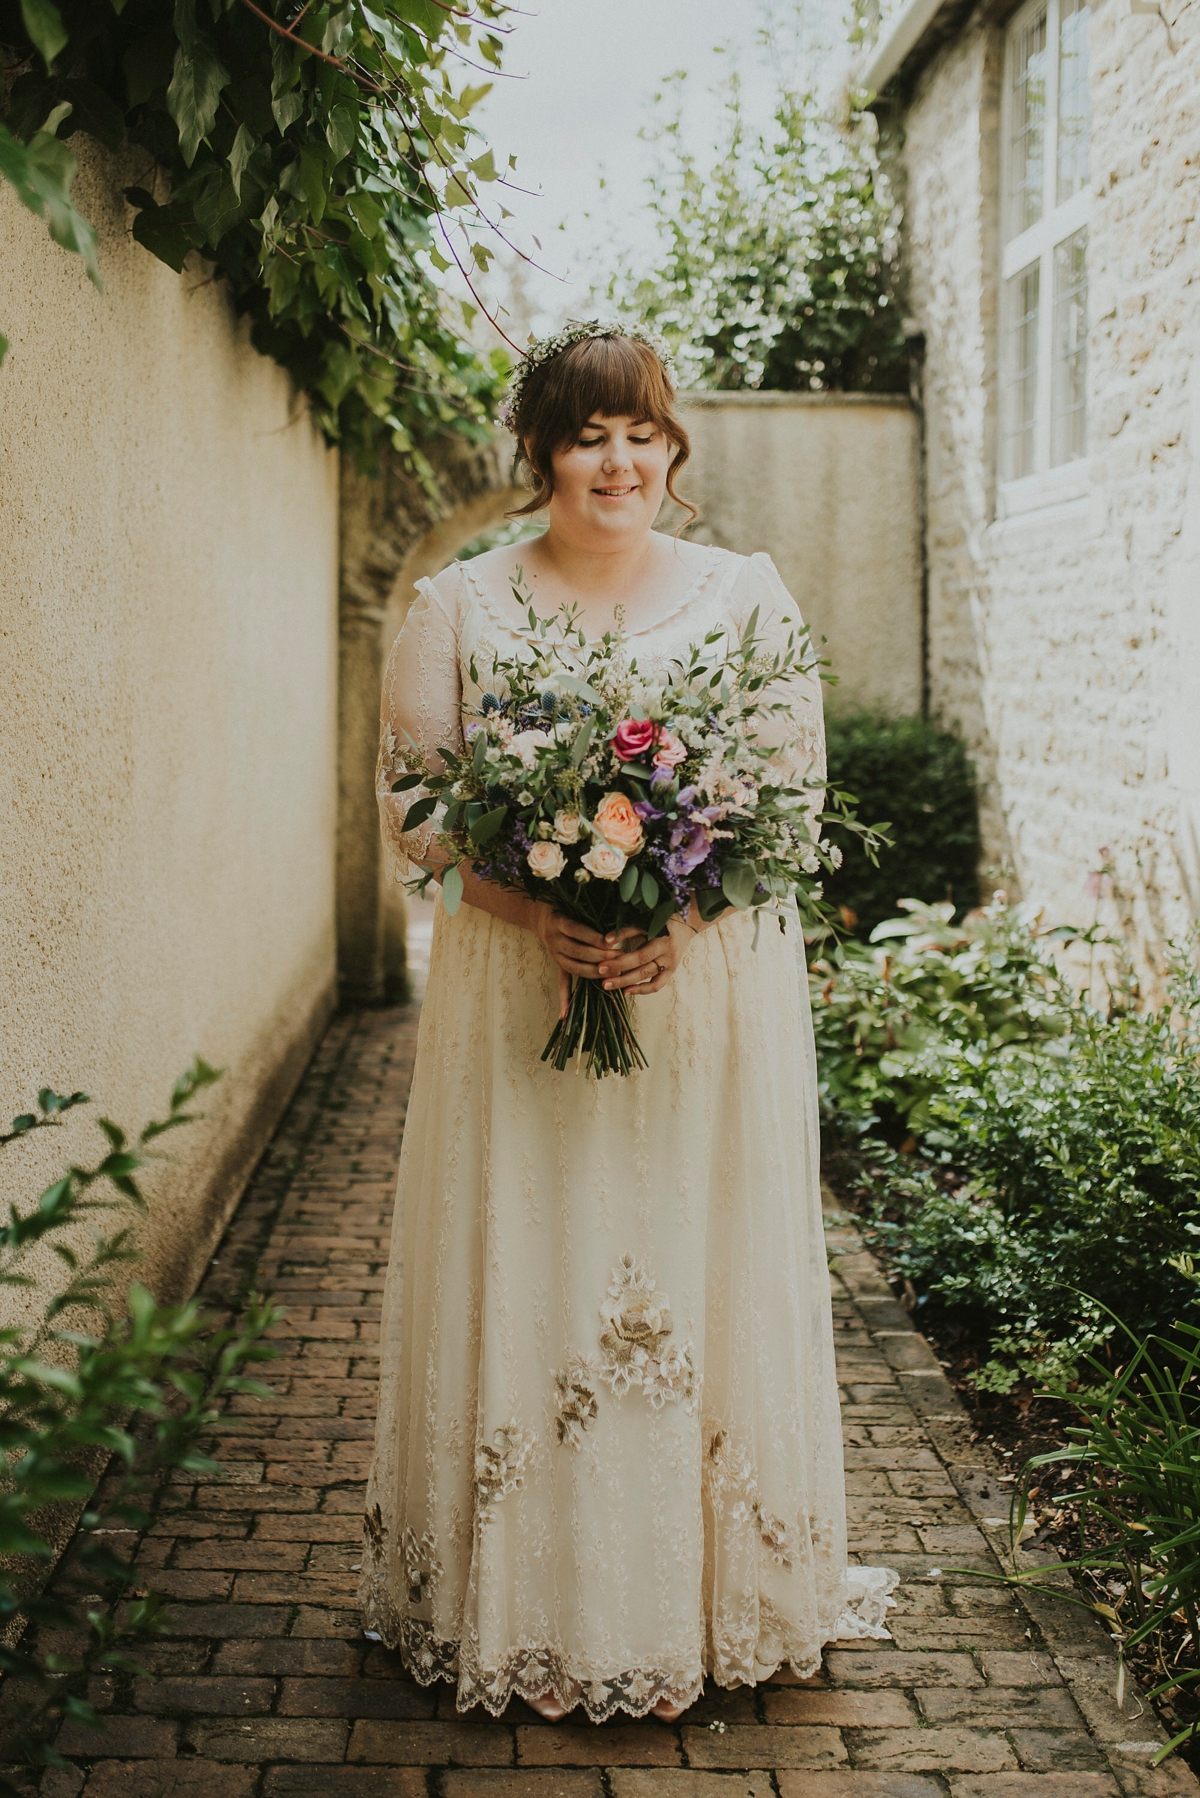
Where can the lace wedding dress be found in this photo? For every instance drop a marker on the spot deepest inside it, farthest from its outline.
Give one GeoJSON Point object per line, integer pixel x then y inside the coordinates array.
{"type": "Point", "coordinates": [608, 1457]}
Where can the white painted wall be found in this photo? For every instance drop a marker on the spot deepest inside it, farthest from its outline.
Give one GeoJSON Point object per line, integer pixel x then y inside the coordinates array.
{"type": "Point", "coordinates": [168, 658]}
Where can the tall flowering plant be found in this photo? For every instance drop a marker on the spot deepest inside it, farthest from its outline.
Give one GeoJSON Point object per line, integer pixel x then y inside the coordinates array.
{"type": "Point", "coordinates": [621, 800]}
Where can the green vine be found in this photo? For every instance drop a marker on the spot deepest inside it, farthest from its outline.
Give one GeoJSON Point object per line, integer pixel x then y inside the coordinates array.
{"type": "Point", "coordinates": [320, 157]}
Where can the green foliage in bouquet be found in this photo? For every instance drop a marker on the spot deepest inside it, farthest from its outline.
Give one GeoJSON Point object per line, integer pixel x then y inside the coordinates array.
{"type": "Point", "coordinates": [918, 776]}
{"type": "Point", "coordinates": [82, 1387]}
{"type": "Point", "coordinates": [777, 259]}
{"type": "Point", "coordinates": [622, 801]}
{"type": "Point", "coordinates": [321, 158]}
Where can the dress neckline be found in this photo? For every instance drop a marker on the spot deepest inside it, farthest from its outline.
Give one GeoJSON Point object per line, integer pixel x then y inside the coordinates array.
{"type": "Point", "coordinates": [691, 593]}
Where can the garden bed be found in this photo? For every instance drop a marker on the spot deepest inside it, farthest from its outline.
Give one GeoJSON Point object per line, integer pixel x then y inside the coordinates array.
{"type": "Point", "coordinates": [1026, 1164]}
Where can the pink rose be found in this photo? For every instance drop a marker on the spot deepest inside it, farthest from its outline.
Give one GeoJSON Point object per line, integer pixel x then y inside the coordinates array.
{"type": "Point", "coordinates": [670, 751]}
{"type": "Point", "coordinates": [633, 737]}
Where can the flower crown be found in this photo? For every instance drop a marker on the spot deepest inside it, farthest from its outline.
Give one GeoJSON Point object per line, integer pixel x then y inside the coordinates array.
{"type": "Point", "coordinates": [544, 349]}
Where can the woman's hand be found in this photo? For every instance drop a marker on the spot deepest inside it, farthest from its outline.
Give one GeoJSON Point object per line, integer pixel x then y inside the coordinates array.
{"type": "Point", "coordinates": [646, 966]}
{"type": "Point", "coordinates": [576, 949]}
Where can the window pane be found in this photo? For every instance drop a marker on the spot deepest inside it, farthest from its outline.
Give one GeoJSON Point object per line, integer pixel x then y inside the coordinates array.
{"type": "Point", "coordinates": [1020, 372]}
{"type": "Point", "coordinates": [1028, 113]}
{"type": "Point", "coordinates": [1074, 112]}
{"type": "Point", "coordinates": [1068, 418]}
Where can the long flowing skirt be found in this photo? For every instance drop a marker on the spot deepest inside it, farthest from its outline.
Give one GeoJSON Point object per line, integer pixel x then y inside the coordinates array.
{"type": "Point", "coordinates": [608, 1458]}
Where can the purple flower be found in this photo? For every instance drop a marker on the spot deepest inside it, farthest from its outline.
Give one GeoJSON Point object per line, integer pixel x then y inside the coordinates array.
{"type": "Point", "coordinates": [689, 848]}
{"type": "Point", "coordinates": [645, 810]}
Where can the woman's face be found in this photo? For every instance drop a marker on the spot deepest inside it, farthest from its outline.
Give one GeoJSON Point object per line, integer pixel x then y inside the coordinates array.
{"type": "Point", "coordinates": [609, 484]}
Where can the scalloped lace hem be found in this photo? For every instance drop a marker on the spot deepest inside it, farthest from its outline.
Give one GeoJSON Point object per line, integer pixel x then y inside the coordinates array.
{"type": "Point", "coordinates": [534, 1673]}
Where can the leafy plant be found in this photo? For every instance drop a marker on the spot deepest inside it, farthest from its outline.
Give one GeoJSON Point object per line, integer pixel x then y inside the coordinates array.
{"type": "Point", "coordinates": [1137, 1452]}
{"type": "Point", "coordinates": [892, 1016]}
{"type": "Point", "coordinates": [320, 157]}
{"type": "Point", "coordinates": [80, 1387]}
{"type": "Point", "coordinates": [1056, 1179]}
{"type": "Point", "coordinates": [776, 261]}
{"type": "Point", "coordinates": [920, 777]}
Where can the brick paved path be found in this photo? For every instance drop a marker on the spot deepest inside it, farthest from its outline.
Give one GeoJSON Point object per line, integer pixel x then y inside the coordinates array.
{"type": "Point", "coordinates": [266, 1689]}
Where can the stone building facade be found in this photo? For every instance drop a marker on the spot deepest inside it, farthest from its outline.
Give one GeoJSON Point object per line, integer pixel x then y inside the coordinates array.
{"type": "Point", "coordinates": [1048, 160]}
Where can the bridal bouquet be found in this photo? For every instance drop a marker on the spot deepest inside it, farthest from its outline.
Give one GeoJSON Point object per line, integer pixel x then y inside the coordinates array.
{"type": "Point", "coordinates": [620, 800]}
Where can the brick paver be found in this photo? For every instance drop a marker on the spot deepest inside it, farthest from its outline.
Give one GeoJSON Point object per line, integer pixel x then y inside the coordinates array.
{"type": "Point", "coordinates": [265, 1687]}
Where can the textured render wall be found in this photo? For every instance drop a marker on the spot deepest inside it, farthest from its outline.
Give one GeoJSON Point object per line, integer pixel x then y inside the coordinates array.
{"type": "Point", "coordinates": [829, 485]}
{"type": "Point", "coordinates": [1066, 642]}
{"type": "Point", "coordinates": [168, 658]}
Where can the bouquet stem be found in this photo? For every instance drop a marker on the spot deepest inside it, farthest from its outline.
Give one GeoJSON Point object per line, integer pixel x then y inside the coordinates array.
{"type": "Point", "coordinates": [598, 1026]}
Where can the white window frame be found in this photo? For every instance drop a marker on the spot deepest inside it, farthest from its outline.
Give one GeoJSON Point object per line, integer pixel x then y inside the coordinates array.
{"type": "Point", "coordinates": [1046, 485]}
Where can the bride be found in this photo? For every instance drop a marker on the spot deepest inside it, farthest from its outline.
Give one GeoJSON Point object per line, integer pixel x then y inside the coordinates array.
{"type": "Point", "coordinates": [539, 1522]}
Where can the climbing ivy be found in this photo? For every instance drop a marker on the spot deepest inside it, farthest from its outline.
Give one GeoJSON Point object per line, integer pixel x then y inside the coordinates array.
{"type": "Point", "coordinates": [320, 157]}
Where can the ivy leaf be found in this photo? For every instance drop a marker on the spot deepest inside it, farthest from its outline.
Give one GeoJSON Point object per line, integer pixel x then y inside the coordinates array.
{"type": "Point", "coordinates": [424, 14]}
{"type": "Point", "coordinates": [148, 64]}
{"type": "Point", "coordinates": [341, 130]}
{"type": "Point", "coordinates": [195, 93]}
{"type": "Point", "coordinates": [94, 111]}
{"type": "Point", "coordinates": [244, 146]}
{"type": "Point", "coordinates": [42, 172]}
{"type": "Point", "coordinates": [43, 22]}
{"type": "Point", "coordinates": [162, 231]}
{"type": "Point", "coordinates": [287, 108]}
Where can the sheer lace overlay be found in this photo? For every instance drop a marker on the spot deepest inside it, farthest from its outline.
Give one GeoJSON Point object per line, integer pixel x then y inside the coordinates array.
{"type": "Point", "coordinates": [608, 1456]}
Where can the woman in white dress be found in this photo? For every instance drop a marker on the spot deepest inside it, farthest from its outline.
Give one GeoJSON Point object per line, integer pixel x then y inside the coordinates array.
{"type": "Point", "coordinates": [608, 1456]}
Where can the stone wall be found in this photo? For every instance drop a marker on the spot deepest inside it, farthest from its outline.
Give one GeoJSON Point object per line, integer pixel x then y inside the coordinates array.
{"type": "Point", "coordinates": [168, 659]}
{"type": "Point", "coordinates": [1065, 642]}
{"type": "Point", "coordinates": [829, 485]}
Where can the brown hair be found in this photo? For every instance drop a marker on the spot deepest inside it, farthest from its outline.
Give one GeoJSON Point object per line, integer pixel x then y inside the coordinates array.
{"type": "Point", "coordinates": [606, 377]}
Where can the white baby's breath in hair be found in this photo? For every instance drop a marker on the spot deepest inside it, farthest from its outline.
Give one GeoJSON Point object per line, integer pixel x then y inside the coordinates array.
{"type": "Point", "coordinates": [544, 349]}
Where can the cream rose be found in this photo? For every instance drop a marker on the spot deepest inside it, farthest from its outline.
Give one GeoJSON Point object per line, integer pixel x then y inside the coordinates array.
{"type": "Point", "coordinates": [605, 861]}
{"type": "Point", "coordinates": [566, 827]}
{"type": "Point", "coordinates": [547, 860]}
{"type": "Point", "coordinates": [618, 823]}
{"type": "Point", "coordinates": [526, 744]}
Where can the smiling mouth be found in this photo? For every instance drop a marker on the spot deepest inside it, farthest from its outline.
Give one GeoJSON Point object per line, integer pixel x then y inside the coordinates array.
{"type": "Point", "coordinates": [613, 492]}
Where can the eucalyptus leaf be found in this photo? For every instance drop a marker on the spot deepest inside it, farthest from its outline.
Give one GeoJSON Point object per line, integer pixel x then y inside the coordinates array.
{"type": "Point", "coordinates": [420, 812]}
{"type": "Point", "coordinates": [629, 880]}
{"type": "Point", "coordinates": [485, 828]}
{"type": "Point", "coordinates": [738, 881]}
{"type": "Point", "coordinates": [452, 890]}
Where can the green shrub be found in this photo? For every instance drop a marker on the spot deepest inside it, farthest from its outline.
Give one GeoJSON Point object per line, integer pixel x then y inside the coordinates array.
{"type": "Point", "coordinates": [1057, 1163]}
{"type": "Point", "coordinates": [1137, 1450]}
{"type": "Point", "coordinates": [919, 777]}
{"type": "Point", "coordinates": [775, 264]}
{"type": "Point", "coordinates": [891, 1016]}
{"type": "Point", "coordinates": [80, 1387]}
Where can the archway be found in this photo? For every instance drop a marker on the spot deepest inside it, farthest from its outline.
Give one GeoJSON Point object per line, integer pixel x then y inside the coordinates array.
{"type": "Point", "coordinates": [395, 530]}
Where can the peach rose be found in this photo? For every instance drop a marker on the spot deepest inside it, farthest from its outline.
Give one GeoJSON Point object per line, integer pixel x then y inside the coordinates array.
{"type": "Point", "coordinates": [618, 823]}
{"type": "Point", "coordinates": [566, 827]}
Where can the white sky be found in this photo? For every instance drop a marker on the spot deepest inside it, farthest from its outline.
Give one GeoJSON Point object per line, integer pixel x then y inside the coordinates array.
{"type": "Point", "coordinates": [578, 86]}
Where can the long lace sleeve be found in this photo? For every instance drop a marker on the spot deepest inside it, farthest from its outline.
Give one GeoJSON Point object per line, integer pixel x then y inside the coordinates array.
{"type": "Point", "coordinates": [798, 733]}
{"type": "Point", "coordinates": [422, 698]}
